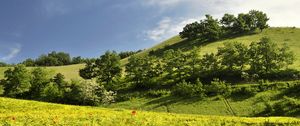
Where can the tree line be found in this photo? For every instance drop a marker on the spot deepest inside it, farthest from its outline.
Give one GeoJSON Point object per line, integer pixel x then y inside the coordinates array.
{"type": "Point", "coordinates": [211, 29]}
{"type": "Point", "coordinates": [234, 62]}
{"type": "Point", "coordinates": [62, 58]}
{"type": "Point", "coordinates": [40, 84]}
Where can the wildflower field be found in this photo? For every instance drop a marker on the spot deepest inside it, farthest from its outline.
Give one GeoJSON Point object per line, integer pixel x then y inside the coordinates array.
{"type": "Point", "coordinates": [21, 112]}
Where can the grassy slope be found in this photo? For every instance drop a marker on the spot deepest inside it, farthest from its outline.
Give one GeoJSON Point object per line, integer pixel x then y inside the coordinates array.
{"type": "Point", "coordinates": [70, 71]}
{"type": "Point", "coordinates": [22, 112]}
{"type": "Point", "coordinates": [242, 106]}
{"type": "Point", "coordinates": [291, 36]}
{"type": "Point", "coordinates": [213, 106]}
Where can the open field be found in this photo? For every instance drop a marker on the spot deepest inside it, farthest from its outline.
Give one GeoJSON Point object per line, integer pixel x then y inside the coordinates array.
{"type": "Point", "coordinates": [21, 112]}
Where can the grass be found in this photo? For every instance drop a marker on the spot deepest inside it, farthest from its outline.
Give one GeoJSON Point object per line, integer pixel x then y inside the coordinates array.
{"type": "Point", "coordinates": [21, 112]}
{"type": "Point", "coordinates": [241, 105]}
{"type": "Point", "coordinates": [69, 71]}
{"type": "Point", "coordinates": [291, 36]}
{"type": "Point", "coordinates": [281, 35]}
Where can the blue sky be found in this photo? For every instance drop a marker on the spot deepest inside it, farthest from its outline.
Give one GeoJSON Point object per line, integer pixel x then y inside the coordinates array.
{"type": "Point", "coordinates": [88, 28]}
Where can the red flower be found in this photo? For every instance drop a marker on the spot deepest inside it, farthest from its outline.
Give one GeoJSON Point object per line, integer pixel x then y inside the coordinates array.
{"type": "Point", "coordinates": [133, 113]}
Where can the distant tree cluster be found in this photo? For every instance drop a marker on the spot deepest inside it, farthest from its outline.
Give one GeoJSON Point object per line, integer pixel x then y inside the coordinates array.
{"type": "Point", "coordinates": [2, 64]}
{"type": "Point", "coordinates": [40, 84]}
{"type": "Point", "coordinates": [54, 59]}
{"type": "Point", "coordinates": [211, 29]}
{"type": "Point", "coordinates": [61, 58]}
{"type": "Point", "coordinates": [106, 69]}
{"type": "Point", "coordinates": [126, 54]}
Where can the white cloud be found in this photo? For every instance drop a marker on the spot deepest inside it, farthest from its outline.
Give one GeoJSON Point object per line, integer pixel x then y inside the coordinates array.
{"type": "Point", "coordinates": [162, 3]}
{"type": "Point", "coordinates": [9, 52]}
{"type": "Point", "coordinates": [54, 7]}
{"type": "Point", "coordinates": [280, 12]}
{"type": "Point", "coordinates": [167, 27]}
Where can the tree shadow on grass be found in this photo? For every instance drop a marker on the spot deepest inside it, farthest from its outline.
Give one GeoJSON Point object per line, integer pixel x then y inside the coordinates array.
{"type": "Point", "coordinates": [186, 44]}
{"type": "Point", "coordinates": [169, 100]}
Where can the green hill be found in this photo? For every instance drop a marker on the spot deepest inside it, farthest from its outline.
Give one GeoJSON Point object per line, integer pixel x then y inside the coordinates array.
{"type": "Point", "coordinates": [280, 35]}
{"type": "Point", "coordinates": [69, 71]}
{"type": "Point", "coordinates": [291, 36]}
{"type": "Point", "coordinates": [21, 112]}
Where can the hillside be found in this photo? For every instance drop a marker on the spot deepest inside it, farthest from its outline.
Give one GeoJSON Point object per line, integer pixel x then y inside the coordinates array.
{"type": "Point", "coordinates": [22, 112]}
{"type": "Point", "coordinates": [291, 36]}
{"type": "Point", "coordinates": [280, 35]}
{"type": "Point", "coordinates": [69, 71]}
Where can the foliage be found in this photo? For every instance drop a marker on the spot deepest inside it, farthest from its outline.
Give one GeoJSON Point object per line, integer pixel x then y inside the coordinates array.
{"type": "Point", "coordinates": [187, 89]}
{"type": "Point", "coordinates": [266, 56]}
{"type": "Point", "coordinates": [17, 81]}
{"type": "Point", "coordinates": [51, 93]}
{"type": "Point", "coordinates": [218, 87]}
{"type": "Point", "coordinates": [126, 54]}
{"type": "Point", "coordinates": [191, 31]}
{"type": "Point", "coordinates": [211, 29]}
{"type": "Point", "coordinates": [2, 64]}
{"type": "Point", "coordinates": [158, 93]}
{"type": "Point", "coordinates": [92, 93]}
{"type": "Point", "coordinates": [141, 70]}
{"type": "Point", "coordinates": [108, 67]}
{"type": "Point", "coordinates": [175, 64]}
{"type": "Point", "coordinates": [40, 79]}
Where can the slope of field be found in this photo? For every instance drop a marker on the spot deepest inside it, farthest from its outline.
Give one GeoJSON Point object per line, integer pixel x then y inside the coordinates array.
{"type": "Point", "coordinates": [69, 71]}
{"type": "Point", "coordinates": [22, 112]}
{"type": "Point", "coordinates": [291, 36]}
{"type": "Point", "coordinates": [233, 106]}
{"type": "Point", "coordinates": [280, 35]}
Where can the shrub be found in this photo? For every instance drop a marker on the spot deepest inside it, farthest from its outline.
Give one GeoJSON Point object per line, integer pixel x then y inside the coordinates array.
{"type": "Point", "coordinates": [287, 107]}
{"type": "Point", "coordinates": [189, 90]}
{"type": "Point", "coordinates": [218, 87]}
{"type": "Point", "coordinates": [1, 90]}
{"type": "Point", "coordinates": [246, 90]}
{"type": "Point", "coordinates": [92, 93]}
{"type": "Point", "coordinates": [51, 93]}
{"type": "Point", "coordinates": [158, 93]}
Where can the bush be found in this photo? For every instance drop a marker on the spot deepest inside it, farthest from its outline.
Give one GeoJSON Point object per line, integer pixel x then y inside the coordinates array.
{"type": "Point", "coordinates": [1, 90]}
{"type": "Point", "coordinates": [218, 87]}
{"type": "Point", "coordinates": [51, 93]}
{"type": "Point", "coordinates": [246, 90]}
{"type": "Point", "coordinates": [92, 93]}
{"type": "Point", "coordinates": [287, 106]}
{"type": "Point", "coordinates": [186, 89]}
{"type": "Point", "coordinates": [158, 93]}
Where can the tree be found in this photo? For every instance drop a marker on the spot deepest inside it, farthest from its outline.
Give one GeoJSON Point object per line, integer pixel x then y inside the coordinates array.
{"type": "Point", "coordinates": [190, 31]}
{"type": "Point", "coordinates": [175, 64]}
{"type": "Point", "coordinates": [193, 61]}
{"type": "Point", "coordinates": [88, 72]}
{"type": "Point", "coordinates": [228, 21]}
{"type": "Point", "coordinates": [243, 23]}
{"type": "Point", "coordinates": [2, 64]}
{"type": "Point", "coordinates": [52, 93]}
{"type": "Point", "coordinates": [77, 60]}
{"type": "Point", "coordinates": [17, 81]}
{"type": "Point", "coordinates": [108, 67]}
{"type": "Point", "coordinates": [29, 62]}
{"type": "Point", "coordinates": [209, 62]}
{"type": "Point", "coordinates": [141, 70]}
{"type": "Point", "coordinates": [260, 19]}
{"type": "Point", "coordinates": [40, 78]}
{"type": "Point", "coordinates": [59, 80]}
{"type": "Point", "coordinates": [266, 56]}
{"type": "Point", "coordinates": [210, 29]}
{"type": "Point", "coordinates": [233, 55]}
